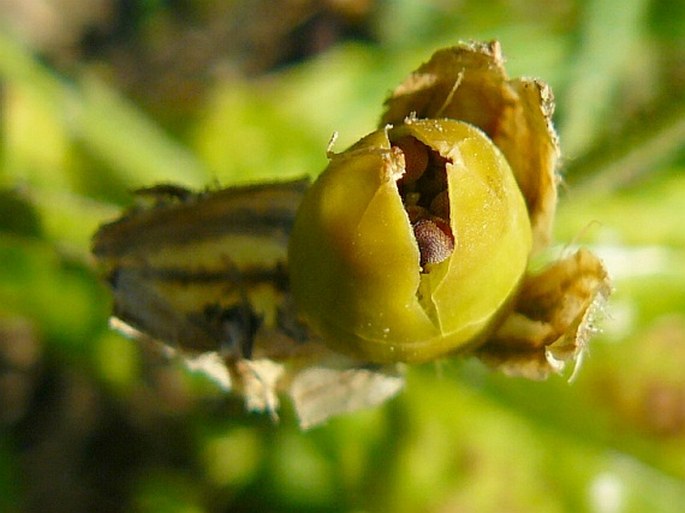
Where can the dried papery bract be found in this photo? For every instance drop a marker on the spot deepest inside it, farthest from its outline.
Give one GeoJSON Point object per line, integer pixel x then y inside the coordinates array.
{"type": "Point", "coordinates": [553, 318]}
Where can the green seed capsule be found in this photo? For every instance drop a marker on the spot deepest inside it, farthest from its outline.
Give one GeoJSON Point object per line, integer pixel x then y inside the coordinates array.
{"type": "Point", "coordinates": [409, 243]}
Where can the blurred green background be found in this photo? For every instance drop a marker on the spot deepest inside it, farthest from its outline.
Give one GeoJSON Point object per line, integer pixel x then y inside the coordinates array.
{"type": "Point", "coordinates": [99, 97]}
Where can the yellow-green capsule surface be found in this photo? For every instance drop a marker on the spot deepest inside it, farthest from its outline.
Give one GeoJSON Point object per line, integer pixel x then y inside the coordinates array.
{"type": "Point", "coordinates": [409, 243]}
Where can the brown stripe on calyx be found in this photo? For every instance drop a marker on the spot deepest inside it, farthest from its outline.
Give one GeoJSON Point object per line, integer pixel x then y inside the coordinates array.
{"type": "Point", "coordinates": [276, 275]}
{"type": "Point", "coordinates": [265, 210]}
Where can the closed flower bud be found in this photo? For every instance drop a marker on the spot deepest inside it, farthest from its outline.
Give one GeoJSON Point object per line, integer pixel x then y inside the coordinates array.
{"type": "Point", "coordinates": [410, 243]}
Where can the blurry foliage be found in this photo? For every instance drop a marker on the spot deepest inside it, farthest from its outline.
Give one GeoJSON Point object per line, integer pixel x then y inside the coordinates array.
{"type": "Point", "coordinates": [135, 93]}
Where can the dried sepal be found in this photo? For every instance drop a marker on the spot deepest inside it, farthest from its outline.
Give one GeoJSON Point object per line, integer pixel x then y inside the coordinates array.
{"type": "Point", "coordinates": [552, 319]}
{"type": "Point", "coordinates": [321, 392]}
{"type": "Point", "coordinates": [259, 379]}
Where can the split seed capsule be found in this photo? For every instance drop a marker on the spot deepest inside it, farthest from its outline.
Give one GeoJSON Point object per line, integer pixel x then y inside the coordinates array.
{"type": "Point", "coordinates": [410, 243]}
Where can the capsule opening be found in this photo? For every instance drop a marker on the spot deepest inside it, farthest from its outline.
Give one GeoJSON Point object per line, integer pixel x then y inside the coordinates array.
{"type": "Point", "coordinates": [424, 193]}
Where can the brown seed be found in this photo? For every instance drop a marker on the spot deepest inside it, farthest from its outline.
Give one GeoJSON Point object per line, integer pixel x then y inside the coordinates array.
{"type": "Point", "coordinates": [440, 206]}
{"type": "Point", "coordinates": [415, 158]}
{"type": "Point", "coordinates": [435, 244]}
{"type": "Point", "coordinates": [434, 180]}
{"type": "Point", "coordinates": [416, 212]}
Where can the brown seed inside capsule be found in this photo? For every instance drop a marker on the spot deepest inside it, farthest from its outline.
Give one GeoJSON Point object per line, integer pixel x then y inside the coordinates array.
{"type": "Point", "coordinates": [423, 188]}
{"type": "Point", "coordinates": [440, 205]}
{"type": "Point", "coordinates": [415, 158]}
{"type": "Point", "coordinates": [416, 212]}
{"type": "Point", "coordinates": [435, 244]}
